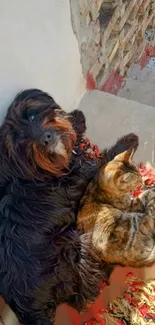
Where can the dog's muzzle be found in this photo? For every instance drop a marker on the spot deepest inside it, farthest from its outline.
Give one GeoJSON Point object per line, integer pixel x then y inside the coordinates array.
{"type": "Point", "coordinates": [49, 138]}
{"type": "Point", "coordinates": [52, 142]}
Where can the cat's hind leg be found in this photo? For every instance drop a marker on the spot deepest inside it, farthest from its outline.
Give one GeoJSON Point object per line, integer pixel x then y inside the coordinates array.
{"type": "Point", "coordinates": [126, 238]}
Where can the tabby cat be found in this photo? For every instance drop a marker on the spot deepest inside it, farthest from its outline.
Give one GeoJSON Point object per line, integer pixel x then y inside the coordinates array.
{"type": "Point", "coordinates": [122, 227]}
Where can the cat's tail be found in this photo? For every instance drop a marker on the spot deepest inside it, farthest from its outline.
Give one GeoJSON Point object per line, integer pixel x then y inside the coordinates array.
{"type": "Point", "coordinates": [129, 141]}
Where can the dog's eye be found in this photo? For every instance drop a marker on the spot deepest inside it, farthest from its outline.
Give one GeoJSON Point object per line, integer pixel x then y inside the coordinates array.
{"type": "Point", "coordinates": [31, 118]}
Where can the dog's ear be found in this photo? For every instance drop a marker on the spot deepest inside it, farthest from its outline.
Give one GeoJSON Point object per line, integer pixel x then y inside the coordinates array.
{"type": "Point", "coordinates": [79, 122]}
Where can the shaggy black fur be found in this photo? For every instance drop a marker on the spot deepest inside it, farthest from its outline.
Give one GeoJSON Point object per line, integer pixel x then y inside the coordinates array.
{"type": "Point", "coordinates": [44, 259]}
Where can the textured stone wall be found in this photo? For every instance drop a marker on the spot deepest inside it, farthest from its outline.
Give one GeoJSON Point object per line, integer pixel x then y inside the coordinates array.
{"type": "Point", "coordinates": [111, 34]}
{"type": "Point", "coordinates": [88, 33]}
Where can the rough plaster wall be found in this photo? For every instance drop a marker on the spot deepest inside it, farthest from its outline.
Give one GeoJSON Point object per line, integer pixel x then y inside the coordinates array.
{"type": "Point", "coordinates": [39, 49]}
{"type": "Point", "coordinates": [86, 26]}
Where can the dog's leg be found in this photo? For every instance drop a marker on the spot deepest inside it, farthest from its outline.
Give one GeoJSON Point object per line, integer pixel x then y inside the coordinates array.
{"type": "Point", "coordinates": [79, 123]}
{"type": "Point", "coordinates": [129, 141]}
{"type": "Point", "coordinates": [32, 319]}
{"type": "Point", "coordinates": [27, 315]}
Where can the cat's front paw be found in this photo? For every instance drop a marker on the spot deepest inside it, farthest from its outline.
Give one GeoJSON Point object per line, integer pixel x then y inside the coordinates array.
{"type": "Point", "coordinates": [147, 196]}
{"type": "Point", "coordinates": [150, 209]}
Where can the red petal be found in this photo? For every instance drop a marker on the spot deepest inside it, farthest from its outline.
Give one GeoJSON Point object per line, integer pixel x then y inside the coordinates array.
{"type": "Point", "coordinates": [151, 315]}
{"type": "Point", "coordinates": [143, 310]}
{"type": "Point", "coordinates": [119, 322]}
{"type": "Point", "coordinates": [82, 145]}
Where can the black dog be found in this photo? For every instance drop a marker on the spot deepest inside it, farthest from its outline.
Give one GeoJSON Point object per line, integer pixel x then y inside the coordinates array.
{"type": "Point", "coordinates": [44, 260]}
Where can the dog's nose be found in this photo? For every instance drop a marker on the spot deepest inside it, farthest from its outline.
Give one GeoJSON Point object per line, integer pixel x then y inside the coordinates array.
{"type": "Point", "coordinates": [46, 138]}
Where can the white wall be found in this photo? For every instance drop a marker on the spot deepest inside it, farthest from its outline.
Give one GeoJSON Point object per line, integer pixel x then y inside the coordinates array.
{"type": "Point", "coordinates": [39, 49]}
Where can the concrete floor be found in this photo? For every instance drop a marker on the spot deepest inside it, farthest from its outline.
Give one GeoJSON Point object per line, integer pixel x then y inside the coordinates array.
{"type": "Point", "coordinates": [109, 117]}
{"type": "Point", "coordinates": [140, 85]}
{"type": "Point", "coordinates": [7, 316]}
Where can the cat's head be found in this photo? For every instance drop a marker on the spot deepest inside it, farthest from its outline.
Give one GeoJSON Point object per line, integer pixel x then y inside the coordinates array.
{"type": "Point", "coordinates": [121, 174]}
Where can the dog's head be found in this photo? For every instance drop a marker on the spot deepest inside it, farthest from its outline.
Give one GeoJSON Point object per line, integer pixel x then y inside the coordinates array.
{"type": "Point", "coordinates": [37, 133]}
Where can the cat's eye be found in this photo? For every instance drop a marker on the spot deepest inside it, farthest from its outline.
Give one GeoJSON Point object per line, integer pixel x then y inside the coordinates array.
{"type": "Point", "coordinates": [125, 177]}
{"type": "Point", "coordinates": [31, 118]}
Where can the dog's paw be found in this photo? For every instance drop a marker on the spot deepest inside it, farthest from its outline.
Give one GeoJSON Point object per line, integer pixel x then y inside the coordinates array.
{"type": "Point", "coordinates": [79, 122]}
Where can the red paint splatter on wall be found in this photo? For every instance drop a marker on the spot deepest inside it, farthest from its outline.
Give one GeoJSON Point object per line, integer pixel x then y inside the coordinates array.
{"type": "Point", "coordinates": [116, 81]}
{"type": "Point", "coordinates": [113, 83]}
{"type": "Point", "coordinates": [90, 81]}
{"type": "Point", "coordinates": [143, 61]}
{"type": "Point", "coordinates": [148, 53]}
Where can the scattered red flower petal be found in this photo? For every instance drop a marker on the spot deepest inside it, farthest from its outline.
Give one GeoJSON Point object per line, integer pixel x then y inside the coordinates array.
{"type": "Point", "coordinates": [143, 310]}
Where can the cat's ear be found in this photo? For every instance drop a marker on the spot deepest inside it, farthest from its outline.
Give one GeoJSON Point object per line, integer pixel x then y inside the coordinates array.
{"type": "Point", "coordinates": [132, 151]}
{"type": "Point", "coordinates": [125, 177]}
{"type": "Point", "coordinates": [125, 156]}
